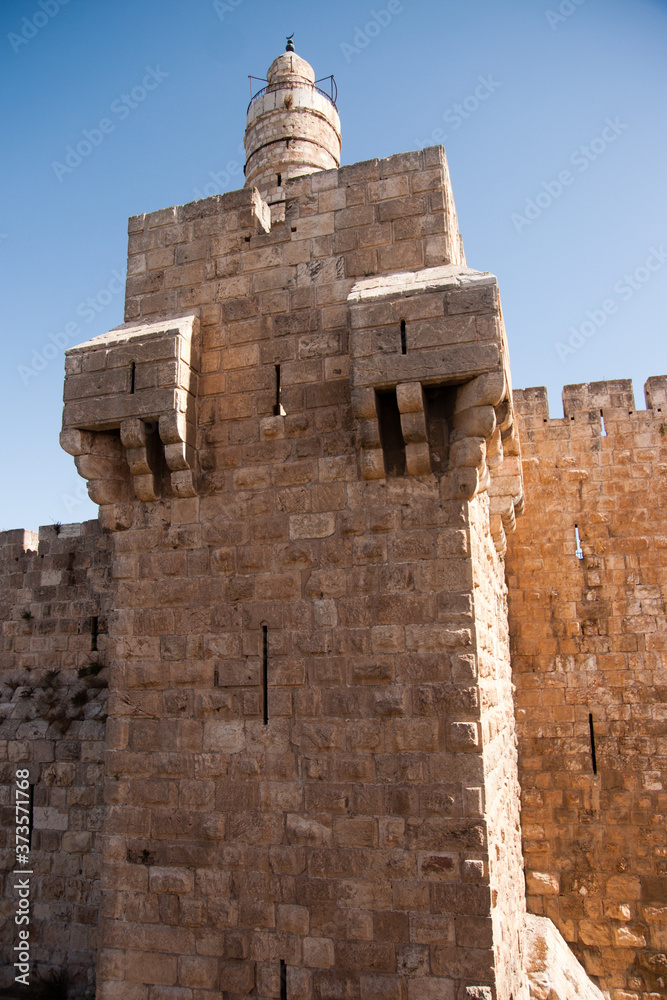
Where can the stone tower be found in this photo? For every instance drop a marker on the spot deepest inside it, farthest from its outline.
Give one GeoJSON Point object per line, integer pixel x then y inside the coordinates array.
{"type": "Point", "coordinates": [292, 129]}
{"type": "Point", "coordinates": [303, 443]}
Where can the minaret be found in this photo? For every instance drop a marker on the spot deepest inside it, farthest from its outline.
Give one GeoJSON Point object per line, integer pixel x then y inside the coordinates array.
{"type": "Point", "coordinates": [292, 129]}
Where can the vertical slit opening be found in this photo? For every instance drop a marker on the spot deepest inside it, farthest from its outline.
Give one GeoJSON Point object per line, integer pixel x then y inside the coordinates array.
{"type": "Point", "coordinates": [391, 434]}
{"type": "Point", "coordinates": [278, 409]}
{"type": "Point", "coordinates": [265, 672]}
{"type": "Point", "coordinates": [279, 178]}
{"type": "Point", "coordinates": [594, 759]}
{"type": "Point", "coordinates": [604, 429]}
{"type": "Point", "coordinates": [133, 375]}
{"type": "Point", "coordinates": [94, 632]}
{"type": "Point", "coordinates": [283, 980]}
{"type": "Point", "coordinates": [404, 341]}
{"type": "Point", "coordinates": [580, 551]}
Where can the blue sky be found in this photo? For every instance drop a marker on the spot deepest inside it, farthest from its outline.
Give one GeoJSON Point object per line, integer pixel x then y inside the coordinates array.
{"type": "Point", "coordinates": [552, 113]}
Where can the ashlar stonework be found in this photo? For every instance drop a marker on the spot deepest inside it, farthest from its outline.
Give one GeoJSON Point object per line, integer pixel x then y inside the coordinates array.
{"type": "Point", "coordinates": [282, 704]}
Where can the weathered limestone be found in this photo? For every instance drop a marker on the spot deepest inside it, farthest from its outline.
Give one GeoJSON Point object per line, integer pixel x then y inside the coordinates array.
{"type": "Point", "coordinates": [454, 337]}
{"type": "Point", "coordinates": [553, 971]}
{"type": "Point", "coordinates": [589, 651]}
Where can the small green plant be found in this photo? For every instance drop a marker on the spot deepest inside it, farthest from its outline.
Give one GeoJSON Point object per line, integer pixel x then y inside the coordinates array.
{"type": "Point", "coordinates": [26, 615]}
{"type": "Point", "coordinates": [51, 676]}
{"type": "Point", "coordinates": [663, 429]}
{"type": "Point", "coordinates": [57, 525]}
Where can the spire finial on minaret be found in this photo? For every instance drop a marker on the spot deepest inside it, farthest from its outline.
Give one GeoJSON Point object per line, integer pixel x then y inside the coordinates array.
{"type": "Point", "coordinates": [290, 43]}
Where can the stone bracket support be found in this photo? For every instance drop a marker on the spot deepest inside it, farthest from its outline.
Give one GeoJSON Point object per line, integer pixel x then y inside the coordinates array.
{"type": "Point", "coordinates": [99, 458]}
{"type": "Point", "coordinates": [133, 437]}
{"type": "Point", "coordinates": [410, 398]}
{"type": "Point", "coordinates": [177, 434]}
{"type": "Point", "coordinates": [364, 408]}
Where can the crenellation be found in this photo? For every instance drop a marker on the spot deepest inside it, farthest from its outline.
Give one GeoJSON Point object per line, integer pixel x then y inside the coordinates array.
{"type": "Point", "coordinates": [655, 393]}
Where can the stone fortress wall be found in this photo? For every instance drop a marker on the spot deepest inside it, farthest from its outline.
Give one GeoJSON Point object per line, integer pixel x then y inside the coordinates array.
{"type": "Point", "coordinates": [53, 683]}
{"type": "Point", "coordinates": [589, 634]}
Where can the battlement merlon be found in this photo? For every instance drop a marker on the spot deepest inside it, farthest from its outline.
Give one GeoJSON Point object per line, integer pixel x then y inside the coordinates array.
{"type": "Point", "coordinates": [613, 399]}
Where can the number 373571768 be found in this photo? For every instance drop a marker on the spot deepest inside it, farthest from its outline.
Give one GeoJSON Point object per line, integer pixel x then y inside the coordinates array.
{"type": "Point", "coordinates": [22, 814]}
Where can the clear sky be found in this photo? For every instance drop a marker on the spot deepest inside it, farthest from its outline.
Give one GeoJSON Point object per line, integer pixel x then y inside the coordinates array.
{"type": "Point", "coordinates": [552, 112]}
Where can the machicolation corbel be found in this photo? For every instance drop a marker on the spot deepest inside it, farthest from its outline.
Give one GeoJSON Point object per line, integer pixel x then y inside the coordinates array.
{"type": "Point", "coordinates": [430, 385]}
{"type": "Point", "coordinates": [129, 416]}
